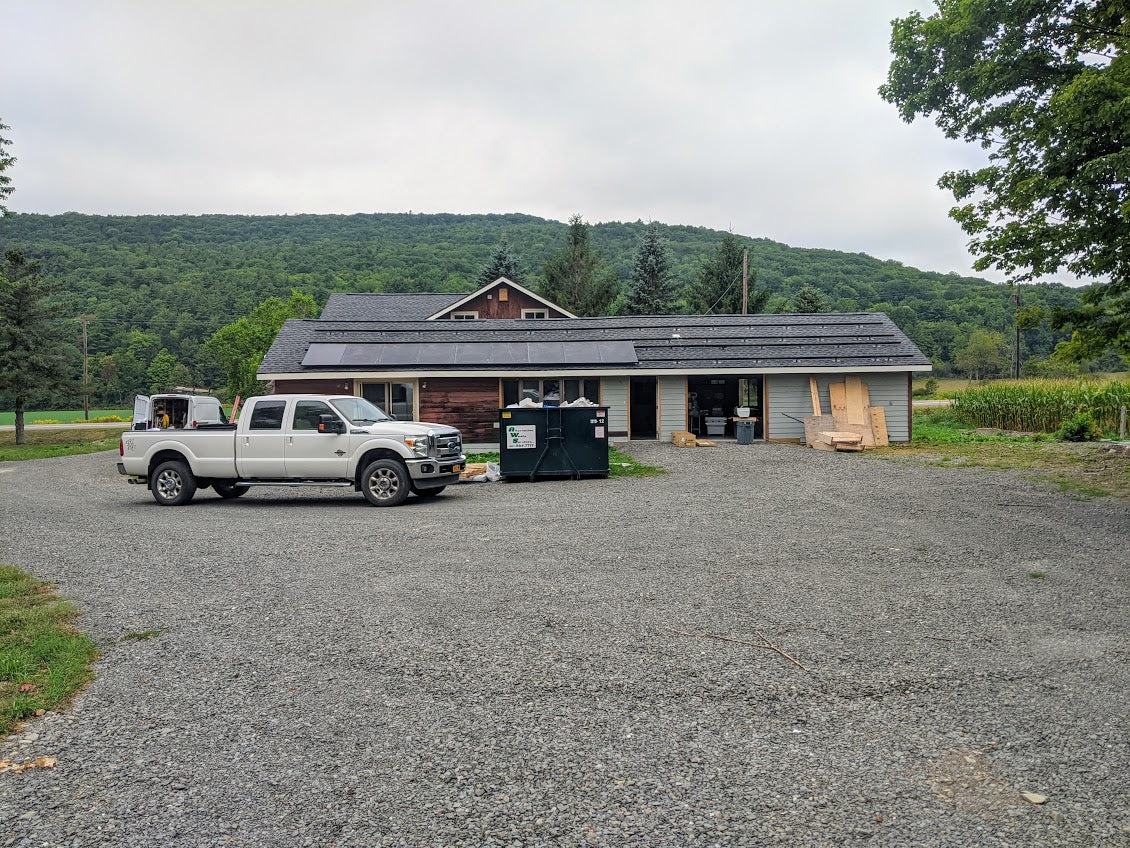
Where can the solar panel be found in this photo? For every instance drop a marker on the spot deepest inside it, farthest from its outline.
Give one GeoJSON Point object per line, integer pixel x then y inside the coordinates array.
{"type": "Point", "coordinates": [471, 354]}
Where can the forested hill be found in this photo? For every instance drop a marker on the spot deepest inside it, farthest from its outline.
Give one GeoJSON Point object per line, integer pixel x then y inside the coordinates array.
{"type": "Point", "coordinates": [166, 281]}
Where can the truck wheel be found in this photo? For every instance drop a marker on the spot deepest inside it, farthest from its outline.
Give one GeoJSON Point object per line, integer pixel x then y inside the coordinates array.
{"type": "Point", "coordinates": [384, 482]}
{"type": "Point", "coordinates": [230, 490]}
{"type": "Point", "coordinates": [429, 493]}
{"type": "Point", "coordinates": [172, 483]}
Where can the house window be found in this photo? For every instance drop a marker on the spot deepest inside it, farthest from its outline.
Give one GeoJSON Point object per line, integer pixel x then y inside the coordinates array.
{"type": "Point", "coordinates": [464, 316]}
{"type": "Point", "coordinates": [535, 389]}
{"type": "Point", "coordinates": [535, 313]}
{"type": "Point", "coordinates": [396, 399]}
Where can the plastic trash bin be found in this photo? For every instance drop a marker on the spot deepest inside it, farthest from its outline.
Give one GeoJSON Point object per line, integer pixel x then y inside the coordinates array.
{"type": "Point", "coordinates": [744, 431]}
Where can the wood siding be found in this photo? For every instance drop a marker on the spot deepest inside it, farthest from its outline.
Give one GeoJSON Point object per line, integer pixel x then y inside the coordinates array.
{"type": "Point", "coordinates": [790, 395]}
{"type": "Point", "coordinates": [672, 406]}
{"type": "Point", "coordinates": [470, 404]}
{"type": "Point", "coordinates": [489, 306]}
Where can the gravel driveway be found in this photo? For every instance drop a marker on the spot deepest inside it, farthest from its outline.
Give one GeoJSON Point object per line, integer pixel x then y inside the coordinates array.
{"type": "Point", "coordinates": [500, 666]}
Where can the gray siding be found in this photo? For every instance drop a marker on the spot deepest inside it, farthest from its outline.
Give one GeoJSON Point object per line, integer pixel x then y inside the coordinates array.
{"type": "Point", "coordinates": [614, 395]}
{"type": "Point", "coordinates": [789, 395]}
{"type": "Point", "coordinates": [673, 406]}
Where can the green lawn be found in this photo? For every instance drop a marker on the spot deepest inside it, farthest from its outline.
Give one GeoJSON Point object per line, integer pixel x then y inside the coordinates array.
{"type": "Point", "coordinates": [39, 444]}
{"type": "Point", "coordinates": [65, 416]}
{"type": "Point", "coordinates": [619, 464]}
{"type": "Point", "coordinates": [43, 659]}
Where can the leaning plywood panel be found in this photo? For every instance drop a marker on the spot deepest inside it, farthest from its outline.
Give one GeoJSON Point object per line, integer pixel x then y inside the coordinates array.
{"type": "Point", "coordinates": [837, 393]}
{"type": "Point", "coordinates": [879, 425]}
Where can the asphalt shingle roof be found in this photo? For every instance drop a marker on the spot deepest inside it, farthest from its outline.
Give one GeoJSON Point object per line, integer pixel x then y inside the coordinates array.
{"type": "Point", "coordinates": [661, 342]}
{"type": "Point", "coordinates": [386, 307]}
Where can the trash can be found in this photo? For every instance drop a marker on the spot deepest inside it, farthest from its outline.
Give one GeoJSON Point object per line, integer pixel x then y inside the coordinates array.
{"type": "Point", "coordinates": [744, 430]}
{"type": "Point", "coordinates": [553, 442]}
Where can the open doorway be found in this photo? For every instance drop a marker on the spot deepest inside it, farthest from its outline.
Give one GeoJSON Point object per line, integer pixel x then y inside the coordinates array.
{"type": "Point", "coordinates": [713, 402]}
{"type": "Point", "coordinates": [642, 420]}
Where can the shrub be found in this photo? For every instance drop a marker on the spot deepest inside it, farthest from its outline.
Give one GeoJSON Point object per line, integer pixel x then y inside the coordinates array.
{"type": "Point", "coordinates": [108, 419]}
{"type": "Point", "coordinates": [46, 421]}
{"type": "Point", "coordinates": [1080, 427]}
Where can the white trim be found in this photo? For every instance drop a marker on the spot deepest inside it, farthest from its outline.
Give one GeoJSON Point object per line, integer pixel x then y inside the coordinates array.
{"type": "Point", "coordinates": [374, 376]}
{"type": "Point", "coordinates": [541, 317]}
{"type": "Point", "coordinates": [465, 315]}
{"type": "Point", "coordinates": [499, 282]}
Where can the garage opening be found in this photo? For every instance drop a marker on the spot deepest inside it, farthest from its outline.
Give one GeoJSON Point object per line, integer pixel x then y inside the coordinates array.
{"type": "Point", "coordinates": [642, 421]}
{"type": "Point", "coordinates": [713, 404]}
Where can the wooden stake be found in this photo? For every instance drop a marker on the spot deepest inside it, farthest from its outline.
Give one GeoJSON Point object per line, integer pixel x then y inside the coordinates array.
{"type": "Point", "coordinates": [764, 643]}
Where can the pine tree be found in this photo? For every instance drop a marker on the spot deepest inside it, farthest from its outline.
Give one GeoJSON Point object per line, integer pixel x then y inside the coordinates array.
{"type": "Point", "coordinates": [30, 357]}
{"type": "Point", "coordinates": [652, 288]}
{"type": "Point", "coordinates": [503, 263]}
{"type": "Point", "coordinates": [718, 289]}
{"type": "Point", "coordinates": [809, 299]}
{"type": "Point", "coordinates": [576, 279]}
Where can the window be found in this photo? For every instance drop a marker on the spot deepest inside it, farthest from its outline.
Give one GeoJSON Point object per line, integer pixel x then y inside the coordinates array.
{"type": "Point", "coordinates": [267, 415]}
{"type": "Point", "coordinates": [464, 316]}
{"type": "Point", "coordinates": [535, 389]}
{"type": "Point", "coordinates": [308, 414]}
{"type": "Point", "coordinates": [535, 313]}
{"type": "Point", "coordinates": [392, 398]}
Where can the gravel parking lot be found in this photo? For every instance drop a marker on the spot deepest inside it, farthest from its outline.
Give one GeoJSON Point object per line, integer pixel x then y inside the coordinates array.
{"type": "Point", "coordinates": [500, 666]}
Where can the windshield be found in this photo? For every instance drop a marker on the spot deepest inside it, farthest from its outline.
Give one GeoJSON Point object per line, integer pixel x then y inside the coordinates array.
{"type": "Point", "coordinates": [358, 410]}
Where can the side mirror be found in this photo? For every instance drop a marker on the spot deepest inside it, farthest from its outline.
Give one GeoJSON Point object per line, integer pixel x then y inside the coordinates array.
{"type": "Point", "coordinates": [330, 424]}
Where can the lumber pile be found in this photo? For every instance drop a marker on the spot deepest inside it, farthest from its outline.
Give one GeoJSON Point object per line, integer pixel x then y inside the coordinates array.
{"type": "Point", "coordinates": [853, 425]}
{"type": "Point", "coordinates": [684, 439]}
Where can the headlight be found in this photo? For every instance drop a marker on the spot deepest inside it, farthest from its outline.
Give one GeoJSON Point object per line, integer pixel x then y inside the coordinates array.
{"type": "Point", "coordinates": [419, 444]}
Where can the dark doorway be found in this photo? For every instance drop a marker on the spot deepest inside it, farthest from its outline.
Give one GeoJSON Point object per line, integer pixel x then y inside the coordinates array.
{"type": "Point", "coordinates": [642, 422]}
{"type": "Point", "coordinates": [713, 403]}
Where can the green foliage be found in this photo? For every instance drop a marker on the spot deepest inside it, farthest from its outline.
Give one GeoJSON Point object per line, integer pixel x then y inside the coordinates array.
{"type": "Point", "coordinates": [1045, 87]}
{"type": "Point", "coordinates": [984, 355]}
{"type": "Point", "coordinates": [1041, 405]}
{"type": "Point", "coordinates": [40, 652]}
{"type": "Point", "coordinates": [504, 262]}
{"type": "Point", "coordinates": [240, 346]}
{"type": "Point", "coordinates": [40, 444]}
{"type": "Point", "coordinates": [809, 299]}
{"type": "Point", "coordinates": [30, 359]}
{"type": "Point", "coordinates": [651, 290]}
{"type": "Point", "coordinates": [6, 162]}
{"type": "Point", "coordinates": [1080, 427]}
{"type": "Point", "coordinates": [718, 289]}
{"type": "Point", "coordinates": [577, 279]}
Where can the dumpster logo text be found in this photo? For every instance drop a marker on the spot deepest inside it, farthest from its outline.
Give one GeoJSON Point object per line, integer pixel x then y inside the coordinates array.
{"type": "Point", "coordinates": [521, 436]}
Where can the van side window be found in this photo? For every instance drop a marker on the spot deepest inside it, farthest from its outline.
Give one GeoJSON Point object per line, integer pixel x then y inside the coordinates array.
{"type": "Point", "coordinates": [267, 415]}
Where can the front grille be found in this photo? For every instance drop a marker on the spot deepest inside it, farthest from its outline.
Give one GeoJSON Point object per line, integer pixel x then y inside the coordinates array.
{"type": "Point", "coordinates": [448, 445]}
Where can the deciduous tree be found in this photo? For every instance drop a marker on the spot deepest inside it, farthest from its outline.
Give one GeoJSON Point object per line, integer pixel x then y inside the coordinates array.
{"type": "Point", "coordinates": [984, 355]}
{"type": "Point", "coordinates": [6, 162]}
{"type": "Point", "coordinates": [31, 359]}
{"type": "Point", "coordinates": [577, 278]}
{"type": "Point", "coordinates": [652, 287]}
{"type": "Point", "coordinates": [1044, 86]}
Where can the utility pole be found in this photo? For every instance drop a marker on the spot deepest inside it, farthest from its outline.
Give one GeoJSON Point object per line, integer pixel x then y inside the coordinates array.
{"type": "Point", "coordinates": [85, 367]}
{"type": "Point", "coordinates": [1016, 357]}
{"type": "Point", "coordinates": [745, 281]}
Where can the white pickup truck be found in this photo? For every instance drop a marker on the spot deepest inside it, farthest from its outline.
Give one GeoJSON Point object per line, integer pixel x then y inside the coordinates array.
{"type": "Point", "coordinates": [297, 440]}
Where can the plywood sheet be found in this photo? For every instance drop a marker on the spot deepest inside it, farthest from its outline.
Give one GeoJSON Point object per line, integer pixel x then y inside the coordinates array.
{"type": "Point", "coordinates": [853, 401]}
{"type": "Point", "coordinates": [837, 393]}
{"type": "Point", "coordinates": [815, 390]}
{"type": "Point", "coordinates": [879, 426]}
{"type": "Point", "coordinates": [813, 424]}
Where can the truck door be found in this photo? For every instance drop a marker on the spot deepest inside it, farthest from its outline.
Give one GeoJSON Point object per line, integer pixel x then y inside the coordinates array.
{"type": "Point", "coordinates": [140, 413]}
{"type": "Point", "coordinates": [260, 446]}
{"type": "Point", "coordinates": [311, 454]}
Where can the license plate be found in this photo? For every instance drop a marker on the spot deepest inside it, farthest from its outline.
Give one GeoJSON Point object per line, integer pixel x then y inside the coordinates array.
{"type": "Point", "coordinates": [455, 469]}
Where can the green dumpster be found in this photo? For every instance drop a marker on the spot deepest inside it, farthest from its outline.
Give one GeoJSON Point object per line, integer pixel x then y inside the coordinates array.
{"type": "Point", "coordinates": [553, 442]}
{"type": "Point", "coordinates": [744, 430]}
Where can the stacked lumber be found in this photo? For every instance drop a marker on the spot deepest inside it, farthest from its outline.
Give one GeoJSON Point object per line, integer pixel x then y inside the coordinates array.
{"type": "Point", "coordinates": [684, 439]}
{"type": "Point", "coordinates": [854, 424]}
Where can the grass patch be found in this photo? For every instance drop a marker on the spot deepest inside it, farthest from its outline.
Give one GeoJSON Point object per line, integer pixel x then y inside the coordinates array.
{"type": "Point", "coordinates": [620, 464]}
{"type": "Point", "coordinates": [43, 659]}
{"type": "Point", "coordinates": [40, 444]}
{"type": "Point", "coordinates": [1037, 575]}
{"type": "Point", "coordinates": [1083, 469]}
{"type": "Point", "coordinates": [64, 416]}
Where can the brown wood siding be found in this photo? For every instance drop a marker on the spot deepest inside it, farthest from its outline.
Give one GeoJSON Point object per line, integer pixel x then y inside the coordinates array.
{"type": "Point", "coordinates": [489, 306]}
{"type": "Point", "coordinates": [470, 404]}
{"type": "Point", "coordinates": [314, 387]}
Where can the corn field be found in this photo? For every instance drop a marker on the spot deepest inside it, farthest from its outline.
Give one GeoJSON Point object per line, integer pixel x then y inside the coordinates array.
{"type": "Point", "coordinates": [1041, 405]}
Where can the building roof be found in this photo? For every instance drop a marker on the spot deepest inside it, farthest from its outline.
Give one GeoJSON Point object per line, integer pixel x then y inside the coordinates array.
{"type": "Point", "coordinates": [387, 307]}
{"type": "Point", "coordinates": [664, 343]}
{"type": "Point", "coordinates": [498, 283]}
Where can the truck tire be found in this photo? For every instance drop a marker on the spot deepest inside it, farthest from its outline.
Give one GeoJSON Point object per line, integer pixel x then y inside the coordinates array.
{"type": "Point", "coordinates": [384, 482]}
{"type": "Point", "coordinates": [429, 493]}
{"type": "Point", "coordinates": [172, 483]}
{"type": "Point", "coordinates": [230, 490]}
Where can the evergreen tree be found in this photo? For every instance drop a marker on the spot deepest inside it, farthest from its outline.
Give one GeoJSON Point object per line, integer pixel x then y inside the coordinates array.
{"type": "Point", "coordinates": [718, 289]}
{"type": "Point", "coordinates": [652, 288]}
{"type": "Point", "coordinates": [577, 279]}
{"type": "Point", "coordinates": [504, 262]}
{"type": "Point", "coordinates": [31, 360]}
{"type": "Point", "coordinates": [809, 299]}
{"type": "Point", "coordinates": [6, 162]}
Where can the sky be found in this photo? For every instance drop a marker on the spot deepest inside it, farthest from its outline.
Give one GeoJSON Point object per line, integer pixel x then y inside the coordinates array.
{"type": "Point", "coordinates": [758, 116]}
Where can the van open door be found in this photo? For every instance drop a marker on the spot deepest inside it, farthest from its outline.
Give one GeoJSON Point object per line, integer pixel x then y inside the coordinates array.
{"type": "Point", "coordinates": [140, 413]}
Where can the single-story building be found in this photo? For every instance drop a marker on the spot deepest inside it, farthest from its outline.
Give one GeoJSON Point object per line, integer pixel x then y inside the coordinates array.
{"type": "Point", "coordinates": [656, 374]}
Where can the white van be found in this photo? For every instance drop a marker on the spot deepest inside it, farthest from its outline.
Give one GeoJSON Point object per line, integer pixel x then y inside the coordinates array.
{"type": "Point", "coordinates": [172, 411]}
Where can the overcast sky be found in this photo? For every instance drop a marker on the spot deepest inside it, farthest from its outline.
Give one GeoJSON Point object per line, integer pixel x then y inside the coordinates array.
{"type": "Point", "coordinates": [758, 116]}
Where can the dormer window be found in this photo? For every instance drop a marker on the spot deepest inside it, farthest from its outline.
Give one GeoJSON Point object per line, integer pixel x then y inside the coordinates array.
{"type": "Point", "coordinates": [535, 313]}
{"type": "Point", "coordinates": [464, 316]}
